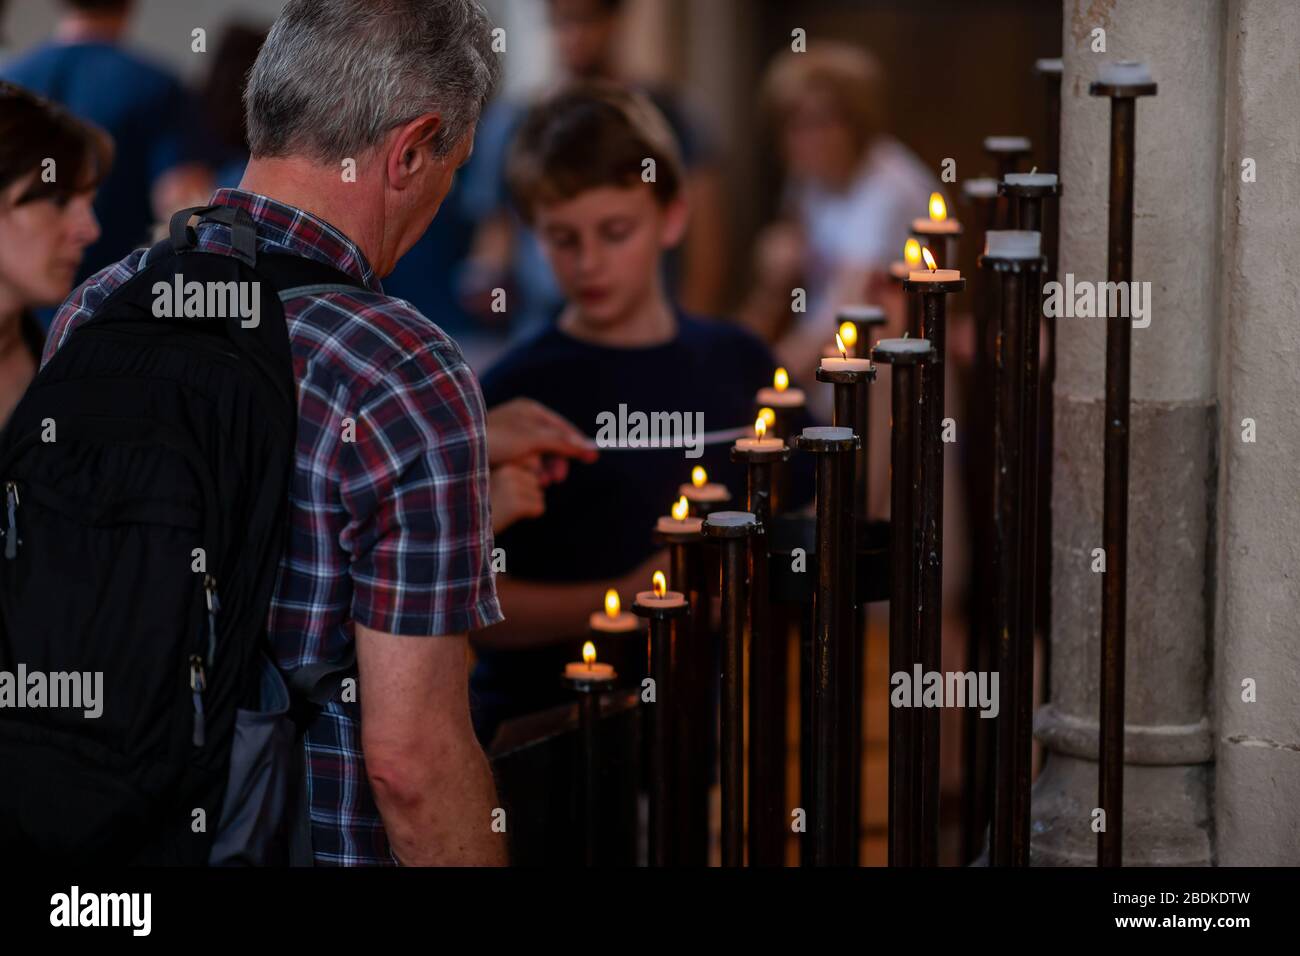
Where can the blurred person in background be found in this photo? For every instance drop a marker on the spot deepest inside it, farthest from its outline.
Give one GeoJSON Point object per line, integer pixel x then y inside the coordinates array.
{"type": "Point", "coordinates": [851, 193]}
{"type": "Point", "coordinates": [505, 253]}
{"type": "Point", "coordinates": [221, 98]}
{"type": "Point", "coordinates": [46, 223]}
{"type": "Point", "coordinates": [144, 108]}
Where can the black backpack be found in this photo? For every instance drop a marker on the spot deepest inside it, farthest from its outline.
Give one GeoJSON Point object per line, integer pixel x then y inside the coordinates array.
{"type": "Point", "coordinates": [145, 477]}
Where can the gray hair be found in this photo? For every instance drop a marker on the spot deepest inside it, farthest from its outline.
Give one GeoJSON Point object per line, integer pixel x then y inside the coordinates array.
{"type": "Point", "coordinates": [335, 76]}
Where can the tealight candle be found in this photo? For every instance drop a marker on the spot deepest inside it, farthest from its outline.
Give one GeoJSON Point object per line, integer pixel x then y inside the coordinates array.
{"type": "Point", "coordinates": [1006, 144]}
{"type": "Point", "coordinates": [1123, 73]}
{"type": "Point", "coordinates": [1016, 244]}
{"type": "Point", "coordinates": [905, 346]}
{"type": "Point", "coordinates": [588, 669]}
{"type": "Point", "coordinates": [938, 223]}
{"type": "Point", "coordinates": [1050, 65]}
{"type": "Point", "coordinates": [779, 394]}
{"type": "Point", "coordinates": [933, 274]}
{"type": "Point", "coordinates": [1031, 179]}
{"type": "Point", "coordinates": [760, 441]}
{"type": "Point", "coordinates": [843, 363]}
{"type": "Point", "coordinates": [701, 489]}
{"type": "Point", "coordinates": [680, 521]}
{"type": "Point", "coordinates": [982, 187]}
{"type": "Point", "coordinates": [660, 596]}
{"type": "Point", "coordinates": [612, 620]}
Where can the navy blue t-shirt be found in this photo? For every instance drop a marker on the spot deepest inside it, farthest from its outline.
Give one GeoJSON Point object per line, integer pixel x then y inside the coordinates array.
{"type": "Point", "coordinates": [145, 109]}
{"type": "Point", "coordinates": [599, 522]}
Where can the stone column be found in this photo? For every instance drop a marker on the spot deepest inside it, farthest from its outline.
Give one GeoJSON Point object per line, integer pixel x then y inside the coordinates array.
{"type": "Point", "coordinates": [1257, 745]}
{"type": "Point", "coordinates": [1168, 743]}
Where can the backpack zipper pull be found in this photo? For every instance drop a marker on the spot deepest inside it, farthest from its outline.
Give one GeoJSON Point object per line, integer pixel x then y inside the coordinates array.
{"type": "Point", "coordinates": [214, 605]}
{"type": "Point", "coordinates": [11, 507]}
{"type": "Point", "coordinates": [198, 683]}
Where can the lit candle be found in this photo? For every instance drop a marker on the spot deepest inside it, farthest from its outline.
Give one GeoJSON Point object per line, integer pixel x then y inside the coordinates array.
{"type": "Point", "coordinates": [780, 394]}
{"type": "Point", "coordinates": [760, 441]}
{"type": "Point", "coordinates": [659, 596]}
{"type": "Point", "coordinates": [588, 670]}
{"type": "Point", "coordinates": [934, 273]}
{"type": "Point", "coordinates": [701, 489]}
{"type": "Point", "coordinates": [612, 620]}
{"type": "Point", "coordinates": [844, 363]}
{"type": "Point", "coordinates": [911, 259]}
{"type": "Point", "coordinates": [679, 522]}
{"type": "Point", "coordinates": [938, 224]}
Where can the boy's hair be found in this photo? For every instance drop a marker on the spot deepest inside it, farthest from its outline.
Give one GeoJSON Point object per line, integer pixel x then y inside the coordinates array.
{"type": "Point", "coordinates": [588, 137]}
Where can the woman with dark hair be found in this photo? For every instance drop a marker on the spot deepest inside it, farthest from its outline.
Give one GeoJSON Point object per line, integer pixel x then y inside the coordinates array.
{"type": "Point", "coordinates": [50, 165]}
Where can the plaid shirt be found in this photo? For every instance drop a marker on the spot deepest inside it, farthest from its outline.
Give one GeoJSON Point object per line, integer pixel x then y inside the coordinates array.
{"type": "Point", "coordinates": [391, 530]}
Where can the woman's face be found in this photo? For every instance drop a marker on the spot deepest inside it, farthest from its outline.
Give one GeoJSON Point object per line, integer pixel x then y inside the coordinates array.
{"type": "Point", "coordinates": [42, 243]}
{"type": "Point", "coordinates": [817, 140]}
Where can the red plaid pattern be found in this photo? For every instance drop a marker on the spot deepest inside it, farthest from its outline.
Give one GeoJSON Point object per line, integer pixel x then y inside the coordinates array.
{"type": "Point", "coordinates": [391, 529]}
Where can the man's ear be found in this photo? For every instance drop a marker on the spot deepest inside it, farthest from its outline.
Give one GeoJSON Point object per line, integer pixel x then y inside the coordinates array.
{"type": "Point", "coordinates": [408, 152]}
{"type": "Point", "coordinates": [676, 217]}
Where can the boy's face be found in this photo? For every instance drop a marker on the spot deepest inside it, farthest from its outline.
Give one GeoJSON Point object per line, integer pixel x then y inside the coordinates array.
{"type": "Point", "coordinates": [604, 247]}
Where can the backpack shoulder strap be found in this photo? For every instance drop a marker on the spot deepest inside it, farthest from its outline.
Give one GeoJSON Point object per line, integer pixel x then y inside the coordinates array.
{"type": "Point", "coordinates": [295, 276]}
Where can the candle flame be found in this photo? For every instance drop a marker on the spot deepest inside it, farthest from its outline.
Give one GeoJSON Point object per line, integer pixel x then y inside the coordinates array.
{"type": "Point", "coordinates": [839, 344]}
{"type": "Point", "coordinates": [912, 253]}
{"type": "Point", "coordinates": [760, 427]}
{"type": "Point", "coordinates": [849, 333]}
{"type": "Point", "coordinates": [681, 508]}
{"type": "Point", "coordinates": [659, 584]}
{"type": "Point", "coordinates": [781, 380]}
{"type": "Point", "coordinates": [589, 653]}
{"type": "Point", "coordinates": [938, 208]}
{"type": "Point", "coordinates": [699, 477]}
{"type": "Point", "coordinates": [768, 416]}
{"type": "Point", "coordinates": [929, 260]}
{"type": "Point", "coordinates": [612, 605]}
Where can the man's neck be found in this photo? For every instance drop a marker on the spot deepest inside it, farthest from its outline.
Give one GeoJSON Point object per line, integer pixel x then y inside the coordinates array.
{"type": "Point", "coordinates": [321, 191]}
{"type": "Point", "coordinates": [82, 27]}
{"type": "Point", "coordinates": [653, 322]}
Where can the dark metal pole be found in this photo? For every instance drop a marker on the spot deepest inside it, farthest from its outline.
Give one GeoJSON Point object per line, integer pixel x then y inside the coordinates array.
{"type": "Point", "coordinates": [588, 692]}
{"type": "Point", "coordinates": [660, 713]}
{"type": "Point", "coordinates": [767, 675]}
{"type": "Point", "coordinates": [832, 640]}
{"type": "Point", "coordinates": [1006, 555]}
{"type": "Point", "coordinates": [930, 598]}
{"type": "Point", "coordinates": [732, 529]}
{"type": "Point", "coordinates": [906, 355]}
{"type": "Point", "coordinates": [1114, 594]}
{"type": "Point", "coordinates": [690, 772]}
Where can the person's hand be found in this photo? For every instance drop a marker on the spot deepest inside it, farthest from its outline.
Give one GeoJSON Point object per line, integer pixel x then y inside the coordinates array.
{"type": "Point", "coordinates": [522, 429]}
{"type": "Point", "coordinates": [516, 492]}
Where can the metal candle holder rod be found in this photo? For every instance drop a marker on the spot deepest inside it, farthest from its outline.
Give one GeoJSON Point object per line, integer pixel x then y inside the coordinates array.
{"type": "Point", "coordinates": [832, 635]}
{"type": "Point", "coordinates": [768, 673]}
{"type": "Point", "coordinates": [1114, 588]}
{"type": "Point", "coordinates": [588, 692]}
{"type": "Point", "coordinates": [908, 357]}
{"type": "Point", "coordinates": [731, 529]}
{"type": "Point", "coordinates": [934, 297]}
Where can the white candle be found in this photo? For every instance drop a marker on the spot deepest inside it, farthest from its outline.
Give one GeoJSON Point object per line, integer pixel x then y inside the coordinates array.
{"type": "Point", "coordinates": [839, 364]}
{"type": "Point", "coordinates": [860, 313]}
{"type": "Point", "coordinates": [1050, 65]}
{"type": "Point", "coordinates": [1031, 179]}
{"type": "Point", "coordinates": [938, 275]}
{"type": "Point", "coordinates": [758, 444]}
{"type": "Point", "coordinates": [670, 525]}
{"type": "Point", "coordinates": [827, 432]}
{"type": "Point", "coordinates": [669, 599]}
{"type": "Point", "coordinates": [1017, 244]}
{"type": "Point", "coordinates": [594, 672]}
{"type": "Point", "coordinates": [983, 187]}
{"type": "Point", "coordinates": [904, 346]}
{"type": "Point", "coordinates": [712, 491]}
{"type": "Point", "coordinates": [1006, 144]}
{"type": "Point", "coordinates": [620, 623]}
{"type": "Point", "coordinates": [936, 227]}
{"type": "Point", "coordinates": [790, 398]}
{"type": "Point", "coordinates": [739, 519]}
{"type": "Point", "coordinates": [1124, 73]}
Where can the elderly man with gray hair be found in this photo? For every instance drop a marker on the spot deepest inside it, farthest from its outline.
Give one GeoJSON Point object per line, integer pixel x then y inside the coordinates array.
{"type": "Point", "coordinates": [359, 113]}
